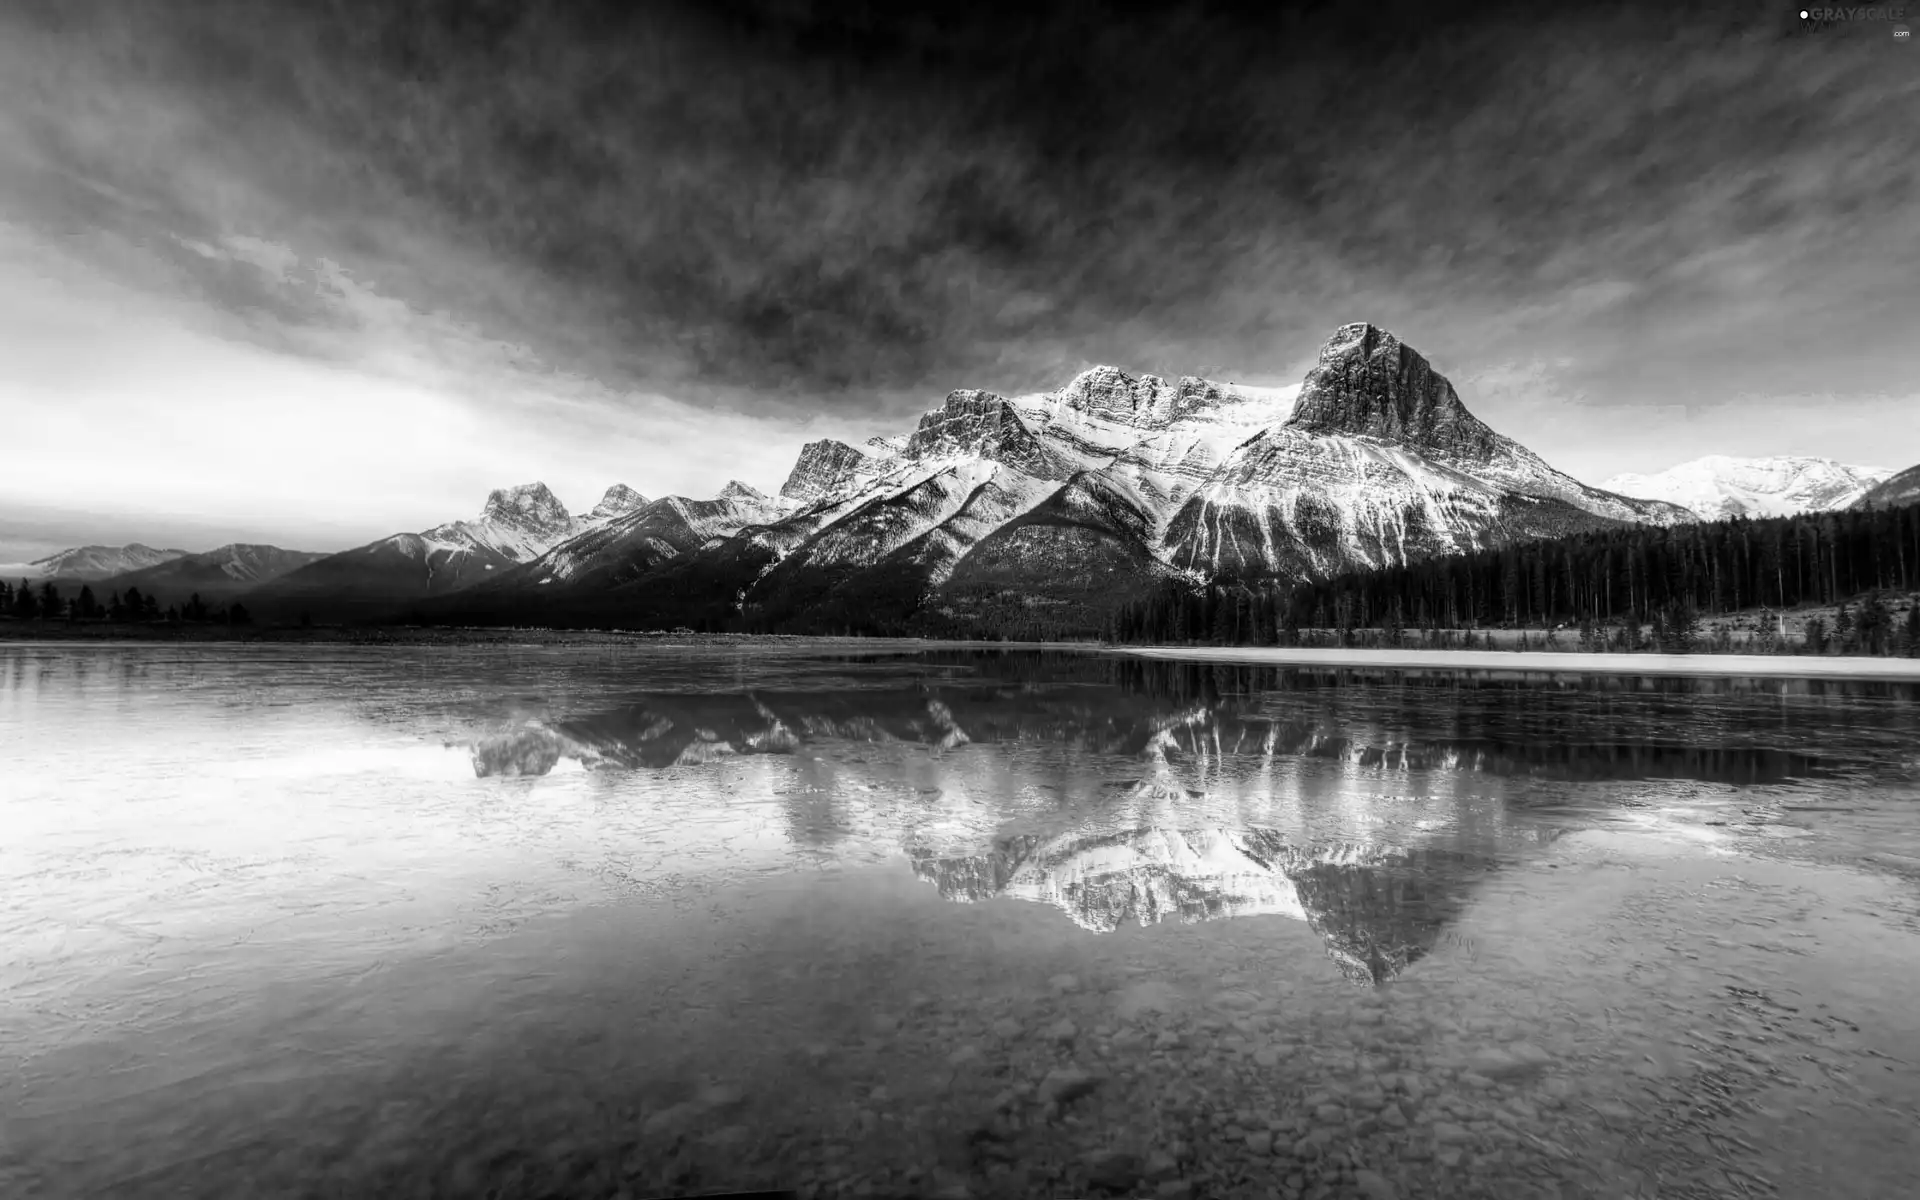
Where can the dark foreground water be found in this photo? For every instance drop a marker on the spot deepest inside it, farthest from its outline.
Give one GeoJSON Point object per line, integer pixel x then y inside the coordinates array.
{"type": "Point", "coordinates": [434, 922]}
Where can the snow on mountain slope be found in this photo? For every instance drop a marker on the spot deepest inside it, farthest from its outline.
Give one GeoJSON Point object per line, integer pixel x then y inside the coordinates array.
{"type": "Point", "coordinates": [1720, 486]}
{"type": "Point", "coordinates": [518, 523]}
{"type": "Point", "coordinates": [515, 525]}
{"type": "Point", "coordinates": [1379, 462]}
{"type": "Point", "coordinates": [1894, 491]}
{"type": "Point", "coordinates": [90, 563]}
{"type": "Point", "coordinates": [618, 501]}
{"type": "Point", "coordinates": [620, 549]}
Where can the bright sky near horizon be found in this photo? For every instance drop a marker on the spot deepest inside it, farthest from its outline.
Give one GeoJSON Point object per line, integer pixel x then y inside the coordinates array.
{"type": "Point", "coordinates": [310, 275]}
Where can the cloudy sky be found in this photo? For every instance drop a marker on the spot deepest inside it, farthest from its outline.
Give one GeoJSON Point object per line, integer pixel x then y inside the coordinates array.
{"type": "Point", "coordinates": [312, 272]}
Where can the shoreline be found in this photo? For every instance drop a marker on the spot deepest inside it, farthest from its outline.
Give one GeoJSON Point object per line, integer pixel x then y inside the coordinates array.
{"type": "Point", "coordinates": [1789, 666]}
{"type": "Point", "coordinates": [479, 635]}
{"type": "Point", "coordinates": [1785, 666]}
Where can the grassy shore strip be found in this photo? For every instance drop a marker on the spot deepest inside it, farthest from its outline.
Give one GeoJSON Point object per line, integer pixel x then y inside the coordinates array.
{"type": "Point", "coordinates": [1788, 666]}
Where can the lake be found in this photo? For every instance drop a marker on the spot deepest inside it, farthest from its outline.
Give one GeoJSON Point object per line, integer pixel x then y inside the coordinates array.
{"type": "Point", "coordinates": [666, 920]}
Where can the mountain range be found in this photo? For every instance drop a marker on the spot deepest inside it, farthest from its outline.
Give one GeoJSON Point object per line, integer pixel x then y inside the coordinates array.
{"type": "Point", "coordinates": [1055, 506]}
{"type": "Point", "coordinates": [1041, 512]}
{"type": "Point", "coordinates": [1718, 487]}
{"type": "Point", "coordinates": [514, 526]}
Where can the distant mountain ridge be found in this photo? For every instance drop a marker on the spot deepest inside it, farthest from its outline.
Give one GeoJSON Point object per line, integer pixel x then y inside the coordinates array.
{"type": "Point", "coordinates": [1718, 486]}
{"type": "Point", "coordinates": [90, 564]}
{"type": "Point", "coordinates": [217, 575]}
{"type": "Point", "coordinates": [1900, 489]}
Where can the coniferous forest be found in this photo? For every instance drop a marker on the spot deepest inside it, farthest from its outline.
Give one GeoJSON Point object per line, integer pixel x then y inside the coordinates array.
{"type": "Point", "coordinates": [1632, 588]}
{"type": "Point", "coordinates": [46, 602]}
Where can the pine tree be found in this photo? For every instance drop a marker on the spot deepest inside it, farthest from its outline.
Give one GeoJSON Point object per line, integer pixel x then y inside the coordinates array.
{"type": "Point", "coordinates": [49, 601]}
{"type": "Point", "coordinates": [88, 605]}
{"type": "Point", "coordinates": [1816, 636]}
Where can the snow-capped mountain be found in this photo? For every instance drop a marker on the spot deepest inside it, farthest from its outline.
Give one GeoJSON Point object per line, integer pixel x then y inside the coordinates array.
{"type": "Point", "coordinates": [90, 563]}
{"type": "Point", "coordinates": [518, 523]}
{"type": "Point", "coordinates": [215, 575]}
{"type": "Point", "coordinates": [618, 501]}
{"type": "Point", "coordinates": [1892, 492]}
{"type": "Point", "coordinates": [515, 525]}
{"type": "Point", "coordinates": [1718, 486]}
{"type": "Point", "coordinates": [629, 545]}
{"type": "Point", "coordinates": [1062, 504]}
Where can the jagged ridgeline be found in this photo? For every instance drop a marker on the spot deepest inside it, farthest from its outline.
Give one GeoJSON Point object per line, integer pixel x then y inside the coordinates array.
{"type": "Point", "coordinates": [1035, 515]}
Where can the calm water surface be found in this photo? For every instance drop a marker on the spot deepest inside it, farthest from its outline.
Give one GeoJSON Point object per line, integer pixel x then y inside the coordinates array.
{"type": "Point", "coordinates": [354, 921]}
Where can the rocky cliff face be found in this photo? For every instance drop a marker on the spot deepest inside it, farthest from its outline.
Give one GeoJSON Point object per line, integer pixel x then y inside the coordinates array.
{"type": "Point", "coordinates": [826, 466]}
{"type": "Point", "coordinates": [975, 424]}
{"type": "Point", "coordinates": [1369, 383]}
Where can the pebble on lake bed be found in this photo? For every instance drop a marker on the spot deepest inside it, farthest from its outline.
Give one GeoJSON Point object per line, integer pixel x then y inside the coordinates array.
{"type": "Point", "coordinates": [1062, 1085]}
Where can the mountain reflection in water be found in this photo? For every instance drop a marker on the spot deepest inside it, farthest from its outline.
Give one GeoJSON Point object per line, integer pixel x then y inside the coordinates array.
{"type": "Point", "coordinates": [1151, 709]}
{"type": "Point", "coordinates": [1379, 905]}
{"type": "Point", "coordinates": [1379, 908]}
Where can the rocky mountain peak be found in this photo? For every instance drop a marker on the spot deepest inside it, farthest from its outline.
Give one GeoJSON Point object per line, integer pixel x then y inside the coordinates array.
{"type": "Point", "coordinates": [735, 490]}
{"type": "Point", "coordinates": [821, 467]}
{"type": "Point", "coordinates": [529, 506]}
{"type": "Point", "coordinates": [618, 501]}
{"type": "Point", "coordinates": [985, 425]}
{"type": "Point", "coordinates": [1111, 393]}
{"type": "Point", "coordinates": [1370, 383]}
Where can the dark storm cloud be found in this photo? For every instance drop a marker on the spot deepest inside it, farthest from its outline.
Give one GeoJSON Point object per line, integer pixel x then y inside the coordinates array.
{"type": "Point", "coordinates": [790, 205]}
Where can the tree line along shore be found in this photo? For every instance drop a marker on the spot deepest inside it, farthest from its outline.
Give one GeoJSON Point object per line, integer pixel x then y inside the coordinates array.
{"type": "Point", "coordinates": [1838, 584]}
